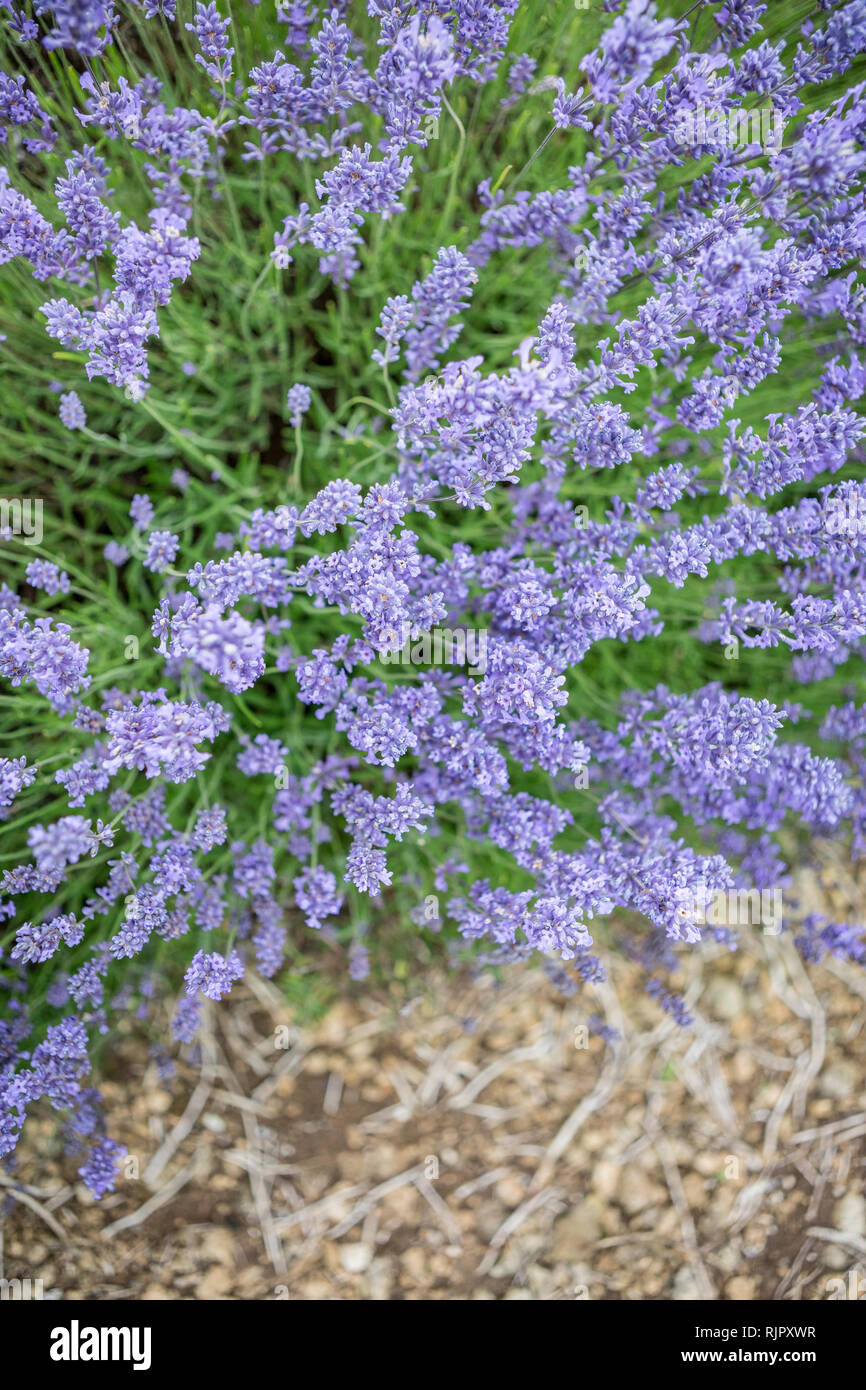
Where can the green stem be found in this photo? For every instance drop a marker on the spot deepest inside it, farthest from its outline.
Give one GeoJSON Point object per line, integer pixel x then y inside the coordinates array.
{"type": "Point", "coordinates": [299, 456]}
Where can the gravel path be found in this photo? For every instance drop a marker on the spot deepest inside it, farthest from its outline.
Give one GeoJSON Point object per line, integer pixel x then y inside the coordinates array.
{"type": "Point", "coordinates": [478, 1142]}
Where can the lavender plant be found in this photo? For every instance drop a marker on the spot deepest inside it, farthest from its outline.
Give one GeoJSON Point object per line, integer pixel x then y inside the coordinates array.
{"type": "Point", "coordinates": [336, 332]}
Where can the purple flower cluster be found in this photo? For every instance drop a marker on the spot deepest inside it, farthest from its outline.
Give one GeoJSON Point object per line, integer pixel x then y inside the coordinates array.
{"type": "Point", "coordinates": [569, 804]}
{"type": "Point", "coordinates": [210, 30]}
{"type": "Point", "coordinates": [72, 412]}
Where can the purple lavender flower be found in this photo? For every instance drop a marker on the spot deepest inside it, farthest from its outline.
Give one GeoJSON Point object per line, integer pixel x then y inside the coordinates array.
{"type": "Point", "coordinates": [210, 29]}
{"type": "Point", "coordinates": [15, 775]}
{"type": "Point", "coordinates": [19, 107]}
{"type": "Point", "coordinates": [213, 974]}
{"type": "Point", "coordinates": [210, 828]}
{"type": "Point", "coordinates": [45, 575]}
{"type": "Point", "coordinates": [187, 1020]}
{"type": "Point", "coordinates": [141, 511]}
{"type": "Point", "coordinates": [93, 226]}
{"type": "Point", "coordinates": [263, 754]}
{"type": "Point", "coordinates": [71, 412]}
{"type": "Point", "coordinates": [39, 943]}
{"type": "Point", "coordinates": [99, 1169]}
{"type": "Point", "coordinates": [43, 654]}
{"type": "Point", "coordinates": [359, 962]}
{"type": "Point", "coordinates": [162, 548]}
{"type": "Point", "coordinates": [267, 530]}
{"type": "Point", "coordinates": [330, 508]}
{"type": "Point", "coordinates": [226, 645]}
{"type": "Point", "coordinates": [159, 736]}
{"type": "Point", "coordinates": [397, 315]}
{"type": "Point", "coordinates": [520, 74]}
{"type": "Point", "coordinates": [298, 402]}
{"type": "Point", "coordinates": [115, 553]}
{"type": "Point", "coordinates": [77, 24]}
{"type": "Point", "coordinates": [571, 110]}
{"type": "Point", "coordinates": [630, 46]}
{"type": "Point", "coordinates": [316, 895]}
